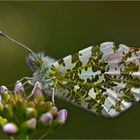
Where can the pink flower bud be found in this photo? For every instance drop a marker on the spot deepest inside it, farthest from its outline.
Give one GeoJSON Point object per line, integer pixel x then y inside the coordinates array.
{"type": "Point", "coordinates": [10, 128]}
{"type": "Point", "coordinates": [62, 116]}
{"type": "Point", "coordinates": [47, 118]}
{"type": "Point", "coordinates": [31, 123]}
{"type": "Point", "coordinates": [4, 89]}
{"type": "Point", "coordinates": [37, 92]}
{"type": "Point", "coordinates": [18, 87]}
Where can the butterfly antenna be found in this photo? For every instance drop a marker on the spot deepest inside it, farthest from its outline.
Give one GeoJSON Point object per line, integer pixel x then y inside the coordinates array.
{"type": "Point", "coordinates": [20, 44]}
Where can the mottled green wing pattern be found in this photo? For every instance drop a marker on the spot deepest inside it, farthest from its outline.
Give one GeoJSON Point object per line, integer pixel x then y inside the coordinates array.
{"type": "Point", "coordinates": [103, 79]}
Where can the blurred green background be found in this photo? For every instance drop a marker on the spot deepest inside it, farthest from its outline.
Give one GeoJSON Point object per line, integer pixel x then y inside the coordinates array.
{"type": "Point", "coordinates": [62, 28]}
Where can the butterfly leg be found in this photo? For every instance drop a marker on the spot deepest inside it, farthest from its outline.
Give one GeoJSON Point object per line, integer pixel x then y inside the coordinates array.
{"type": "Point", "coordinates": [35, 86]}
{"type": "Point", "coordinates": [26, 78]}
{"type": "Point", "coordinates": [53, 94]}
{"type": "Point", "coordinates": [27, 82]}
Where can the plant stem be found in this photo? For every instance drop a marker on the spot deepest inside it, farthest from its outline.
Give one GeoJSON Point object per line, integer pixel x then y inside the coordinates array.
{"type": "Point", "coordinates": [12, 138]}
{"type": "Point", "coordinates": [45, 134]}
{"type": "Point", "coordinates": [27, 137]}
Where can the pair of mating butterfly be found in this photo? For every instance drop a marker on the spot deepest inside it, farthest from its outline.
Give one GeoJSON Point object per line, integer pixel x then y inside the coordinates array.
{"type": "Point", "coordinates": [103, 79]}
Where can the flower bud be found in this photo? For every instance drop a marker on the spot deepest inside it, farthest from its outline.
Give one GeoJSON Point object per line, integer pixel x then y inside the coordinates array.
{"type": "Point", "coordinates": [46, 118]}
{"type": "Point", "coordinates": [54, 110]}
{"type": "Point", "coordinates": [41, 107]}
{"type": "Point", "coordinates": [48, 105]}
{"type": "Point", "coordinates": [38, 94]}
{"type": "Point", "coordinates": [62, 116]}
{"type": "Point", "coordinates": [18, 87]}
{"type": "Point", "coordinates": [8, 110]}
{"type": "Point", "coordinates": [29, 126]}
{"type": "Point", "coordinates": [37, 91]}
{"type": "Point", "coordinates": [12, 101]}
{"type": "Point", "coordinates": [5, 93]}
{"type": "Point", "coordinates": [10, 128]}
{"type": "Point", "coordinates": [20, 107]}
{"type": "Point", "coordinates": [31, 112]}
{"type": "Point", "coordinates": [31, 104]}
{"type": "Point", "coordinates": [4, 89]}
{"type": "Point", "coordinates": [31, 123]}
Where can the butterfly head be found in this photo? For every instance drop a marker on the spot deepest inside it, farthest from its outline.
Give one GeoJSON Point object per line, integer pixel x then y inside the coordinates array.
{"type": "Point", "coordinates": [35, 60]}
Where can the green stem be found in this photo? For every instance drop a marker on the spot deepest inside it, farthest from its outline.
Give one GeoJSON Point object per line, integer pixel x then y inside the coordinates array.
{"type": "Point", "coordinates": [12, 138]}
{"type": "Point", "coordinates": [45, 134]}
{"type": "Point", "coordinates": [27, 137]}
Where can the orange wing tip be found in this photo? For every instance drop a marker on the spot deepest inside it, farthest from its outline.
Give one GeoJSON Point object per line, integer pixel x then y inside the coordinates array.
{"type": "Point", "coordinates": [136, 49]}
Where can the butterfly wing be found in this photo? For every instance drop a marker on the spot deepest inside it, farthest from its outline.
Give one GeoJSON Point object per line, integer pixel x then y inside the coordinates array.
{"type": "Point", "coordinates": [103, 79]}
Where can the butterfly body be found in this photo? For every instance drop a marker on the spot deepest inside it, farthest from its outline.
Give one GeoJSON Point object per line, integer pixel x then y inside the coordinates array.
{"type": "Point", "coordinates": [103, 79]}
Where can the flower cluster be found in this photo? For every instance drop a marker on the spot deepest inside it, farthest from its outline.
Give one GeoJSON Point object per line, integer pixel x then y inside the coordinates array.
{"type": "Point", "coordinates": [20, 116]}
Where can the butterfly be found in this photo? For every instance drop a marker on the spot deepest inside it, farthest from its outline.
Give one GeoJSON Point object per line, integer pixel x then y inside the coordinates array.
{"type": "Point", "coordinates": [103, 79]}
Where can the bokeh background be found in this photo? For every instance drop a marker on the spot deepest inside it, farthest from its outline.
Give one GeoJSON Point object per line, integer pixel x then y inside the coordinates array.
{"type": "Point", "coordinates": [62, 28]}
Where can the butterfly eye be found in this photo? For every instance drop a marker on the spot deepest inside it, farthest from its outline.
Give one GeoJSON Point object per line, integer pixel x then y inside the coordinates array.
{"type": "Point", "coordinates": [38, 62]}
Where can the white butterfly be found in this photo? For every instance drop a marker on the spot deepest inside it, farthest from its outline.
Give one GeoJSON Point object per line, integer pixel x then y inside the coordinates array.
{"type": "Point", "coordinates": [103, 79]}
